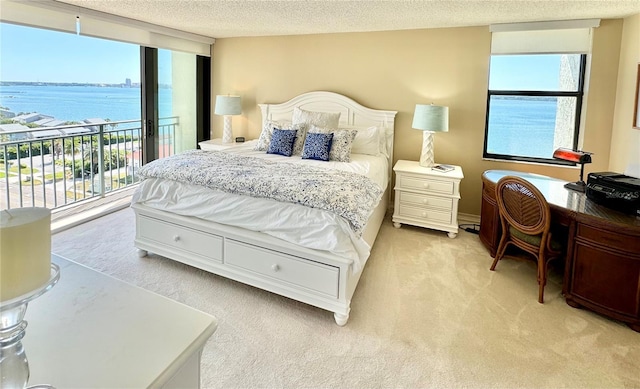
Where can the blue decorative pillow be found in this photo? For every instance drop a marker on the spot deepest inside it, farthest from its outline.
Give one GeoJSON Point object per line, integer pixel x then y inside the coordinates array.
{"type": "Point", "coordinates": [282, 142]}
{"type": "Point", "coordinates": [317, 146]}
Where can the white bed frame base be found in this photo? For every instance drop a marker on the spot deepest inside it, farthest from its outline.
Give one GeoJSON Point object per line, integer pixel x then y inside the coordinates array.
{"type": "Point", "coordinates": [318, 278]}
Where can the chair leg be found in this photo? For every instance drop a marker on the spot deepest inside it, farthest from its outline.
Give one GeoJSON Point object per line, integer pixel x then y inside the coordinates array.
{"type": "Point", "coordinates": [502, 246]}
{"type": "Point", "coordinates": [542, 277]}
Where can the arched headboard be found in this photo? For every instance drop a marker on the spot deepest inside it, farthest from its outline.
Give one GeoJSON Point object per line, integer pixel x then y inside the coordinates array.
{"type": "Point", "coordinates": [352, 114]}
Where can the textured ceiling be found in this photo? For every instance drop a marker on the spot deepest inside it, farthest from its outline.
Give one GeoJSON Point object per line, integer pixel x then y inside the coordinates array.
{"type": "Point", "coordinates": [235, 18]}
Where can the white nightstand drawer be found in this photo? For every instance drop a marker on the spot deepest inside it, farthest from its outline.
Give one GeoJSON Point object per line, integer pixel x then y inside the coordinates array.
{"type": "Point", "coordinates": [415, 199]}
{"type": "Point", "coordinates": [425, 215]}
{"type": "Point", "coordinates": [423, 184]}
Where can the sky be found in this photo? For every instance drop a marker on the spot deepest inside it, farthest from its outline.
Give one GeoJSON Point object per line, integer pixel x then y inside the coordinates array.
{"type": "Point", "coordinates": [38, 55]}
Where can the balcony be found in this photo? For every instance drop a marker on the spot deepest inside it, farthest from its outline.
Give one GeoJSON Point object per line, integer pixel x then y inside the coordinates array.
{"type": "Point", "coordinates": [75, 168]}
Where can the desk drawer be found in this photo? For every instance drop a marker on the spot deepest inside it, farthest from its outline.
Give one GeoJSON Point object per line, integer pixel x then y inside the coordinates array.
{"type": "Point", "coordinates": [182, 238]}
{"type": "Point", "coordinates": [609, 239]}
{"type": "Point", "coordinates": [426, 215]}
{"type": "Point", "coordinates": [415, 199]}
{"type": "Point", "coordinates": [284, 268]}
{"type": "Point", "coordinates": [424, 184]}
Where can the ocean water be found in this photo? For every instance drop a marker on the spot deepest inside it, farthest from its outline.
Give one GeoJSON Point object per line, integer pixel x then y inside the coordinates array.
{"type": "Point", "coordinates": [522, 127]}
{"type": "Point", "coordinates": [75, 103]}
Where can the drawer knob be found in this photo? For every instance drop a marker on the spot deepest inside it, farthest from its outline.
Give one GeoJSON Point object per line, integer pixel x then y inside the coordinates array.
{"type": "Point", "coordinates": [424, 214]}
{"type": "Point", "coordinates": [424, 201]}
{"type": "Point", "coordinates": [176, 238]}
{"type": "Point", "coordinates": [425, 185]}
{"type": "Point", "coordinates": [275, 267]}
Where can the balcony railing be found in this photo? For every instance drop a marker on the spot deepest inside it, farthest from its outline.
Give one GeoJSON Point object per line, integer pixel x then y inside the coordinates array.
{"type": "Point", "coordinates": [57, 166]}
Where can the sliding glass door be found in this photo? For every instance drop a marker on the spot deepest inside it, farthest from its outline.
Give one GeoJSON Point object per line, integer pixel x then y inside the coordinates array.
{"type": "Point", "coordinates": [175, 108]}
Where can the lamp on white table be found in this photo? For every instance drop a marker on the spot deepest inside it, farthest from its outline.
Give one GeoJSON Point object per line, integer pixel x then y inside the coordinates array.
{"type": "Point", "coordinates": [227, 106]}
{"type": "Point", "coordinates": [429, 118]}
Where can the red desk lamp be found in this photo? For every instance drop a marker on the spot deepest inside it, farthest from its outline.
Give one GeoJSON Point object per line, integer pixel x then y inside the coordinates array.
{"type": "Point", "coordinates": [575, 156]}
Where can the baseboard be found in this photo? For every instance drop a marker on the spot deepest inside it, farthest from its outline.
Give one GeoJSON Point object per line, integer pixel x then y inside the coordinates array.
{"type": "Point", "coordinates": [467, 218]}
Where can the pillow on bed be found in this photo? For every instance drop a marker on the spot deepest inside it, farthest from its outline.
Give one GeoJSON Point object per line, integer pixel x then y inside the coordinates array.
{"type": "Point", "coordinates": [282, 142]}
{"type": "Point", "coordinates": [309, 118]}
{"type": "Point", "coordinates": [319, 119]}
{"type": "Point", "coordinates": [367, 141]}
{"type": "Point", "coordinates": [267, 131]}
{"type": "Point", "coordinates": [341, 143]}
{"type": "Point", "coordinates": [317, 146]}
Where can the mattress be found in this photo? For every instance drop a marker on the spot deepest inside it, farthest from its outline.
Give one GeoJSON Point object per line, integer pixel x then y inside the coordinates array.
{"type": "Point", "coordinates": [308, 227]}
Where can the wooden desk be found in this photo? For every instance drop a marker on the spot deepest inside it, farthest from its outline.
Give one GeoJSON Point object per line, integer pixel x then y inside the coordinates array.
{"type": "Point", "coordinates": [602, 269]}
{"type": "Point", "coordinates": [93, 331]}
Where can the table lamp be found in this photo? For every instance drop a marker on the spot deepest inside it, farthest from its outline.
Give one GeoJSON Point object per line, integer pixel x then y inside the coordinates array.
{"type": "Point", "coordinates": [26, 272]}
{"type": "Point", "coordinates": [227, 106]}
{"type": "Point", "coordinates": [429, 118]}
{"type": "Point", "coordinates": [575, 156]}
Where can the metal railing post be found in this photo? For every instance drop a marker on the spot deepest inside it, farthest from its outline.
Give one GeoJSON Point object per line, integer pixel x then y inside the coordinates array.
{"type": "Point", "coordinates": [101, 169]}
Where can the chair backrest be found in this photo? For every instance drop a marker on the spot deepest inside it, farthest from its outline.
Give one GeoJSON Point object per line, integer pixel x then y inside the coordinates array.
{"type": "Point", "coordinates": [522, 205]}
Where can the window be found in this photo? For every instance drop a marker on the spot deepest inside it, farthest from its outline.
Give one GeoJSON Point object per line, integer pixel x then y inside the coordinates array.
{"type": "Point", "coordinates": [533, 106]}
{"type": "Point", "coordinates": [536, 87]}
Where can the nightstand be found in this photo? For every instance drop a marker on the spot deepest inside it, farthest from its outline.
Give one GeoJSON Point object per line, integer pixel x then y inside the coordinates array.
{"type": "Point", "coordinates": [426, 198]}
{"type": "Point", "coordinates": [216, 144]}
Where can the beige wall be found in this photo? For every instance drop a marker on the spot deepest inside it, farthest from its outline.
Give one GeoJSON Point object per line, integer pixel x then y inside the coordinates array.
{"type": "Point", "coordinates": [395, 70]}
{"type": "Point", "coordinates": [625, 141]}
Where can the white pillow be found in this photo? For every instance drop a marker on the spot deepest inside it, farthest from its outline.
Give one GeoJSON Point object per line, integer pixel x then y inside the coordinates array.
{"type": "Point", "coordinates": [267, 132]}
{"type": "Point", "coordinates": [367, 141]}
{"type": "Point", "coordinates": [318, 119]}
{"type": "Point", "coordinates": [341, 143]}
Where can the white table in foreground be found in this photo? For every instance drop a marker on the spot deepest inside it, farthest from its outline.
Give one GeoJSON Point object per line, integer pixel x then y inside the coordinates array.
{"type": "Point", "coordinates": [94, 331]}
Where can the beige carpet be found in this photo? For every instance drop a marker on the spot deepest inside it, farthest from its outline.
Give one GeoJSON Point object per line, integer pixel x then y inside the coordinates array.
{"type": "Point", "coordinates": [427, 313]}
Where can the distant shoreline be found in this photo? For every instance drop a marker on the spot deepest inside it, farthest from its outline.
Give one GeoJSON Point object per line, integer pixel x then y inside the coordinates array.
{"type": "Point", "coordinates": [100, 85]}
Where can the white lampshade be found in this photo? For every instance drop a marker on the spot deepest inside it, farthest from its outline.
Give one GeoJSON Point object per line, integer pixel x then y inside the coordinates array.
{"type": "Point", "coordinates": [433, 118]}
{"type": "Point", "coordinates": [430, 119]}
{"type": "Point", "coordinates": [228, 105]}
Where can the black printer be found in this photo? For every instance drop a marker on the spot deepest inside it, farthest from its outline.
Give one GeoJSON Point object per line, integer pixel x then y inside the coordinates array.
{"type": "Point", "coordinates": [615, 191]}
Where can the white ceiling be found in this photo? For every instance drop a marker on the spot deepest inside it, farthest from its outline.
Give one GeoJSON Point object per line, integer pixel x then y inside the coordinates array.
{"type": "Point", "coordinates": [237, 18]}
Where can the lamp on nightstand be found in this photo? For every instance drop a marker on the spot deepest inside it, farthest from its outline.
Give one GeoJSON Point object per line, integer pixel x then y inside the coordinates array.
{"type": "Point", "coordinates": [227, 106]}
{"type": "Point", "coordinates": [429, 118]}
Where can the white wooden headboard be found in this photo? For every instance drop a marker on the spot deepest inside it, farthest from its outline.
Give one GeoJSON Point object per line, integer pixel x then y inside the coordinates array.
{"type": "Point", "coordinates": [351, 113]}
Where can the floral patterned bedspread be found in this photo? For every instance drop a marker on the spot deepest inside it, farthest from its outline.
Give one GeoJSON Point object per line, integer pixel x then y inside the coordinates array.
{"type": "Point", "coordinates": [350, 195]}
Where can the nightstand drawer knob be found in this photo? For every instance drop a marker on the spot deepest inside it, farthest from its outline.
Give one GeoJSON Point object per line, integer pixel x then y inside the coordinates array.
{"type": "Point", "coordinates": [275, 267]}
{"type": "Point", "coordinates": [425, 185]}
{"type": "Point", "coordinates": [176, 238]}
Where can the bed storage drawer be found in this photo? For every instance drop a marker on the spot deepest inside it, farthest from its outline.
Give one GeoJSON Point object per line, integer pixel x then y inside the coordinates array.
{"type": "Point", "coordinates": [182, 238]}
{"type": "Point", "coordinates": [288, 269]}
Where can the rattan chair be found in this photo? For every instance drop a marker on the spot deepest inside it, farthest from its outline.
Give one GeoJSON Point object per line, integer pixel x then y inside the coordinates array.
{"type": "Point", "coordinates": [526, 223]}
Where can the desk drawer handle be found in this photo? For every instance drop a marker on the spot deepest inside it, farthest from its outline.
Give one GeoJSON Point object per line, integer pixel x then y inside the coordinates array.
{"type": "Point", "coordinates": [176, 238]}
{"type": "Point", "coordinates": [275, 267]}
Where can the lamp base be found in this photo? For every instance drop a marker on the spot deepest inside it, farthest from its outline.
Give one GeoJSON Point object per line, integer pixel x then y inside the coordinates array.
{"type": "Point", "coordinates": [426, 156]}
{"type": "Point", "coordinates": [578, 186]}
{"type": "Point", "coordinates": [227, 134]}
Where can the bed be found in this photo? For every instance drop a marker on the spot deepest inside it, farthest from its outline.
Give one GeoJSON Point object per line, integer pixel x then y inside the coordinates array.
{"type": "Point", "coordinates": [310, 268]}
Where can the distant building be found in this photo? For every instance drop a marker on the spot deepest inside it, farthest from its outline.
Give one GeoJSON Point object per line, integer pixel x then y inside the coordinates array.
{"type": "Point", "coordinates": [14, 131]}
{"type": "Point", "coordinates": [30, 117]}
{"type": "Point", "coordinates": [127, 82]}
{"type": "Point", "coordinates": [96, 122]}
{"type": "Point", "coordinates": [6, 113]}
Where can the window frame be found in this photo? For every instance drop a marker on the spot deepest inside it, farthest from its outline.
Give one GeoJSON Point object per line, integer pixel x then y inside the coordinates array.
{"type": "Point", "coordinates": [578, 94]}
